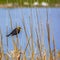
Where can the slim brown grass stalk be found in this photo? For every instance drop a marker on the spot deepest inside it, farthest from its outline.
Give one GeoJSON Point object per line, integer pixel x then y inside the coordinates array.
{"type": "Point", "coordinates": [7, 58]}
{"type": "Point", "coordinates": [31, 32]}
{"type": "Point", "coordinates": [43, 50]}
{"type": "Point", "coordinates": [23, 22]}
{"type": "Point", "coordinates": [42, 35]}
{"type": "Point", "coordinates": [24, 56]}
{"type": "Point", "coordinates": [54, 50]}
{"type": "Point", "coordinates": [0, 55]}
{"type": "Point", "coordinates": [18, 57]}
{"type": "Point", "coordinates": [32, 56]}
{"type": "Point", "coordinates": [25, 32]}
{"type": "Point", "coordinates": [37, 58]}
{"type": "Point", "coordinates": [7, 38]}
{"type": "Point", "coordinates": [17, 40]}
{"type": "Point", "coordinates": [40, 38]}
{"type": "Point", "coordinates": [58, 55]}
{"type": "Point", "coordinates": [48, 32]}
{"type": "Point", "coordinates": [27, 44]}
{"type": "Point", "coordinates": [38, 45]}
{"type": "Point", "coordinates": [1, 46]}
{"type": "Point", "coordinates": [37, 20]}
{"type": "Point", "coordinates": [38, 24]}
{"type": "Point", "coordinates": [44, 55]}
{"type": "Point", "coordinates": [32, 42]}
{"type": "Point", "coordinates": [31, 29]}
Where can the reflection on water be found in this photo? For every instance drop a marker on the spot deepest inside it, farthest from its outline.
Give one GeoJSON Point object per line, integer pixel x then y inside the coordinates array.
{"type": "Point", "coordinates": [30, 15]}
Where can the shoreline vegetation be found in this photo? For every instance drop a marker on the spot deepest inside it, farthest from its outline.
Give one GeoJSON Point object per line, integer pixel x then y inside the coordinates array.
{"type": "Point", "coordinates": [28, 3]}
{"type": "Point", "coordinates": [15, 5]}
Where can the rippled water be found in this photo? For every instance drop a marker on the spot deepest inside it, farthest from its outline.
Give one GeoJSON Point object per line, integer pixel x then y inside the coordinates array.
{"type": "Point", "coordinates": [17, 14]}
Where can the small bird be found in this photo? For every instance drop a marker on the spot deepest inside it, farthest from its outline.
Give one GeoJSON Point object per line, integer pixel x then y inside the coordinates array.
{"type": "Point", "coordinates": [14, 32]}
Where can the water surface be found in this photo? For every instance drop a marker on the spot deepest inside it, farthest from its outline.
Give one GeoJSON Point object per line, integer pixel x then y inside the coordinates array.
{"type": "Point", "coordinates": [40, 14]}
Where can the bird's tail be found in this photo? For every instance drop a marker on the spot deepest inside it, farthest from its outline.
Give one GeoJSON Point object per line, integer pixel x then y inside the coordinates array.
{"type": "Point", "coordinates": [8, 35]}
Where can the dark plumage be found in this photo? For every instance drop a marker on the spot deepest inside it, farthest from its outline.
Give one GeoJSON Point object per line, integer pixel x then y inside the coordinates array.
{"type": "Point", "coordinates": [14, 32]}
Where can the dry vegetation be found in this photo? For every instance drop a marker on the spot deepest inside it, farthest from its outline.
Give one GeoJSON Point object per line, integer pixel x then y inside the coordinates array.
{"type": "Point", "coordinates": [19, 54]}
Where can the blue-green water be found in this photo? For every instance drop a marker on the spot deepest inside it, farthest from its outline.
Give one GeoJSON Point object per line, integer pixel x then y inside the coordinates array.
{"type": "Point", "coordinates": [40, 14]}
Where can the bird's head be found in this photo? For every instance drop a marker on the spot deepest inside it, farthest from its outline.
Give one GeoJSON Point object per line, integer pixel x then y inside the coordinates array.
{"type": "Point", "coordinates": [19, 28]}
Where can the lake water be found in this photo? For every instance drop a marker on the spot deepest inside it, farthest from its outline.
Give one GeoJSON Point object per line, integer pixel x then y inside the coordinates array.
{"type": "Point", "coordinates": [17, 14]}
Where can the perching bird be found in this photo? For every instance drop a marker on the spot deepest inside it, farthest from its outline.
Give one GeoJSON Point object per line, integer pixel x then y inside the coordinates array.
{"type": "Point", "coordinates": [14, 32]}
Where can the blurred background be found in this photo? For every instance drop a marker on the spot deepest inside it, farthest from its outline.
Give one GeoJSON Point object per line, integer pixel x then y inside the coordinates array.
{"type": "Point", "coordinates": [40, 33]}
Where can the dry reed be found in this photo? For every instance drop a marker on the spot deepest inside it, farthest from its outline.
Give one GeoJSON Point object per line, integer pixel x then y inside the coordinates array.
{"type": "Point", "coordinates": [17, 54]}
